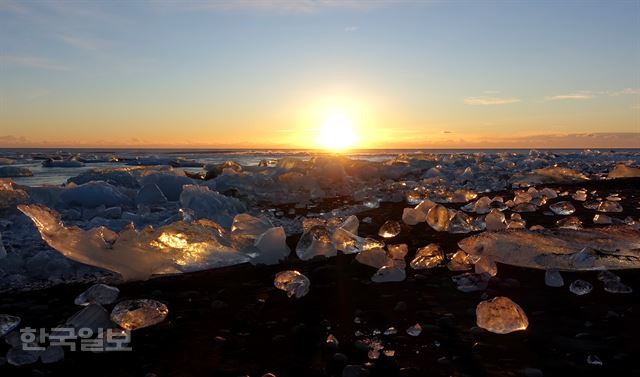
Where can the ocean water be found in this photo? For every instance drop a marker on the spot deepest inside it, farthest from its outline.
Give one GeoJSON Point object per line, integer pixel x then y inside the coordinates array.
{"type": "Point", "coordinates": [32, 158]}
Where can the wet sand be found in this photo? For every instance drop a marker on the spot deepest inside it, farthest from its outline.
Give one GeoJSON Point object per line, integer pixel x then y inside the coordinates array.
{"type": "Point", "coordinates": [234, 322]}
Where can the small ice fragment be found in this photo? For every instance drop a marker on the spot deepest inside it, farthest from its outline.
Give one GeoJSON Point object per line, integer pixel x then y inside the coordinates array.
{"type": "Point", "coordinates": [389, 353]}
{"type": "Point", "coordinates": [398, 251]}
{"type": "Point", "coordinates": [500, 315]}
{"type": "Point", "coordinates": [562, 208]}
{"type": "Point", "coordinates": [580, 195]}
{"type": "Point", "coordinates": [8, 323]}
{"type": "Point", "coordinates": [580, 287]}
{"type": "Point", "coordinates": [571, 222]}
{"type": "Point", "coordinates": [390, 229]}
{"type": "Point", "coordinates": [459, 261]}
{"type": "Point", "coordinates": [3, 251]}
{"type": "Point", "coordinates": [583, 259]}
{"type": "Point", "coordinates": [438, 218]}
{"type": "Point", "coordinates": [245, 225]}
{"type": "Point", "coordinates": [93, 317]}
{"type": "Point", "coordinates": [20, 357]}
{"type": "Point", "coordinates": [373, 257]}
{"type": "Point", "coordinates": [594, 360]}
{"type": "Point", "coordinates": [137, 314]}
{"type": "Point", "coordinates": [495, 220]}
{"type": "Point", "coordinates": [389, 274]}
{"type": "Point", "coordinates": [390, 331]}
{"type": "Point", "coordinates": [552, 278]}
{"type": "Point", "coordinates": [601, 218]}
{"type": "Point", "coordinates": [414, 330]}
{"type": "Point", "coordinates": [52, 354]}
{"type": "Point", "coordinates": [150, 194]}
{"type": "Point", "coordinates": [486, 265]}
{"type": "Point", "coordinates": [461, 223]}
{"type": "Point", "coordinates": [418, 214]}
{"type": "Point", "coordinates": [613, 286]}
{"type": "Point", "coordinates": [607, 276]}
{"type": "Point", "coordinates": [98, 294]}
{"type": "Point", "coordinates": [351, 224]}
{"type": "Point", "coordinates": [332, 341]}
{"type": "Point", "coordinates": [427, 257]}
{"type": "Point", "coordinates": [609, 206]}
{"type": "Point", "coordinates": [470, 282]}
{"type": "Point", "coordinates": [292, 282]}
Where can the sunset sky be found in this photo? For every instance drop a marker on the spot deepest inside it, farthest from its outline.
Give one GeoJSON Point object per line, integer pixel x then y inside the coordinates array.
{"type": "Point", "coordinates": [268, 74]}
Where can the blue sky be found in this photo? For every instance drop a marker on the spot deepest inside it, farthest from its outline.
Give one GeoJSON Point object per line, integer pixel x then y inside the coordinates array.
{"type": "Point", "coordinates": [250, 73]}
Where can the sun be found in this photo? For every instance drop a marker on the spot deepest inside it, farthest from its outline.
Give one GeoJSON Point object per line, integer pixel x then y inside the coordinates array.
{"type": "Point", "coordinates": [336, 132]}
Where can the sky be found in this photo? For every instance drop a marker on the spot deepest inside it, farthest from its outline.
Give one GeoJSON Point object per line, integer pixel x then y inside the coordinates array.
{"type": "Point", "coordinates": [269, 73]}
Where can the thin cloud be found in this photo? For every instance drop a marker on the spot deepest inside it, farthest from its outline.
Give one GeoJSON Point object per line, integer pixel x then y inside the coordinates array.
{"type": "Point", "coordinates": [570, 97]}
{"type": "Point", "coordinates": [489, 101]}
{"type": "Point", "coordinates": [33, 62]}
{"type": "Point", "coordinates": [350, 29]}
{"type": "Point", "coordinates": [82, 43]}
{"type": "Point", "coordinates": [278, 6]}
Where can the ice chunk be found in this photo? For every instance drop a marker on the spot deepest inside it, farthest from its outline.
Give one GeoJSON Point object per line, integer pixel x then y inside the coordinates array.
{"type": "Point", "coordinates": [594, 360]}
{"type": "Point", "coordinates": [495, 220]}
{"type": "Point", "coordinates": [470, 282]}
{"type": "Point", "coordinates": [94, 194]}
{"type": "Point", "coordinates": [562, 208]}
{"type": "Point", "coordinates": [14, 171]}
{"type": "Point", "coordinates": [20, 357]}
{"type": "Point", "coordinates": [418, 214]}
{"type": "Point", "coordinates": [552, 278]}
{"type": "Point", "coordinates": [93, 317]}
{"type": "Point", "coordinates": [98, 294]}
{"type": "Point", "coordinates": [487, 266]}
{"type": "Point", "coordinates": [607, 276]}
{"type": "Point", "coordinates": [500, 315]}
{"type": "Point", "coordinates": [149, 195]}
{"type": "Point", "coordinates": [427, 257]}
{"type": "Point", "coordinates": [601, 218]}
{"type": "Point", "coordinates": [351, 224]}
{"type": "Point", "coordinates": [137, 314]}
{"type": "Point", "coordinates": [613, 286]}
{"type": "Point", "coordinates": [438, 217]}
{"type": "Point", "coordinates": [389, 273]}
{"type": "Point", "coordinates": [272, 246]}
{"type": "Point", "coordinates": [459, 262]}
{"type": "Point", "coordinates": [170, 184]}
{"type": "Point", "coordinates": [347, 242]}
{"type": "Point", "coordinates": [390, 229]}
{"type": "Point", "coordinates": [580, 287]}
{"type": "Point", "coordinates": [375, 257]}
{"type": "Point", "coordinates": [245, 225]}
{"type": "Point", "coordinates": [315, 242]}
{"type": "Point", "coordinates": [580, 195]}
{"type": "Point", "coordinates": [136, 255]}
{"type": "Point", "coordinates": [210, 204]}
{"type": "Point", "coordinates": [609, 206]}
{"type": "Point", "coordinates": [414, 330]}
{"type": "Point", "coordinates": [564, 249]}
{"type": "Point", "coordinates": [332, 341]}
{"type": "Point", "coordinates": [8, 323]}
{"type": "Point", "coordinates": [397, 252]}
{"type": "Point", "coordinates": [10, 194]}
{"type": "Point", "coordinates": [623, 171]}
{"type": "Point", "coordinates": [293, 283]}
{"type": "Point", "coordinates": [571, 222]}
{"type": "Point", "coordinates": [553, 174]}
{"type": "Point", "coordinates": [461, 223]}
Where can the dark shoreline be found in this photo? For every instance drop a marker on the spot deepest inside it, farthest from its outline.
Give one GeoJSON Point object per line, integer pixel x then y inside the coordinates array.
{"type": "Point", "coordinates": [233, 322]}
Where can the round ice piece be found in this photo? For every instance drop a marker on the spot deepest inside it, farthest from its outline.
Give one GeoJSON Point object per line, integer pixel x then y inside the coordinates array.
{"type": "Point", "coordinates": [562, 208]}
{"type": "Point", "coordinates": [500, 315]}
{"type": "Point", "coordinates": [438, 218]}
{"type": "Point", "coordinates": [580, 287]}
{"type": "Point", "coordinates": [390, 229]}
{"type": "Point", "coordinates": [292, 282]}
{"type": "Point", "coordinates": [136, 314]}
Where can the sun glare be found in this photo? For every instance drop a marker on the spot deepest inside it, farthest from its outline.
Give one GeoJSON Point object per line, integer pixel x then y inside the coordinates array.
{"type": "Point", "coordinates": [337, 133]}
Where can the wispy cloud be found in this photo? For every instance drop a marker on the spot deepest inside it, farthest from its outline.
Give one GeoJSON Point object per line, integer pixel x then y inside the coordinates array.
{"type": "Point", "coordinates": [33, 62]}
{"type": "Point", "coordinates": [83, 43]}
{"type": "Point", "coordinates": [281, 6]}
{"type": "Point", "coordinates": [489, 101]}
{"type": "Point", "coordinates": [570, 97]}
{"type": "Point", "coordinates": [350, 29]}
